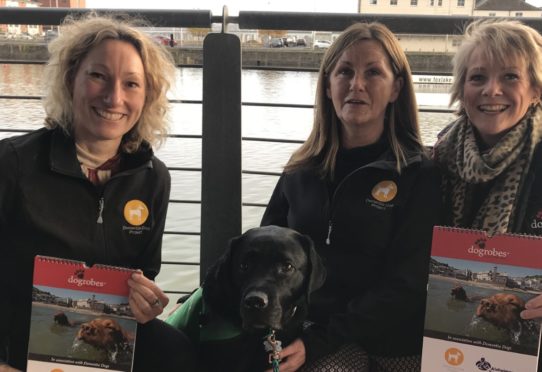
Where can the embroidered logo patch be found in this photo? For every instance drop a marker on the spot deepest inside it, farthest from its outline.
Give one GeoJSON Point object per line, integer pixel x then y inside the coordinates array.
{"type": "Point", "coordinates": [136, 212]}
{"type": "Point", "coordinates": [384, 191]}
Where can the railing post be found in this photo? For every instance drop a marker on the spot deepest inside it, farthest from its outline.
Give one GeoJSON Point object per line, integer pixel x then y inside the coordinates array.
{"type": "Point", "coordinates": [221, 146]}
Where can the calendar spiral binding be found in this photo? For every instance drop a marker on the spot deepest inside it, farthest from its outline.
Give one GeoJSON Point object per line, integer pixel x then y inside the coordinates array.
{"type": "Point", "coordinates": [465, 230]}
{"type": "Point", "coordinates": [66, 261]}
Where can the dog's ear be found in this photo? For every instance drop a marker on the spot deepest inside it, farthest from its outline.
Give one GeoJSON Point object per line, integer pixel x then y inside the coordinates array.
{"type": "Point", "coordinates": [317, 271]}
{"type": "Point", "coordinates": [218, 285]}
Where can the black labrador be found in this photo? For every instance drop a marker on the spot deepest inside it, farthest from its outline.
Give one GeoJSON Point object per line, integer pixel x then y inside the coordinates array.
{"type": "Point", "coordinates": [261, 284]}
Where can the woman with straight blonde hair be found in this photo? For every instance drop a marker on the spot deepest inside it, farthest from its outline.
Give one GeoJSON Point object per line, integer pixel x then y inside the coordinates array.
{"type": "Point", "coordinates": [491, 156]}
{"type": "Point", "coordinates": [363, 189]}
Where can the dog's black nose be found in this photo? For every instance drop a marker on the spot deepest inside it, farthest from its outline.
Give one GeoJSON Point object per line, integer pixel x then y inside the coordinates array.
{"type": "Point", "coordinates": [256, 300]}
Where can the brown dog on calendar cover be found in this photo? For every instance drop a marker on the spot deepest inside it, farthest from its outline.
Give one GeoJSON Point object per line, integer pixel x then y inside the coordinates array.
{"type": "Point", "coordinates": [502, 310]}
{"type": "Point", "coordinates": [105, 334]}
{"type": "Point", "coordinates": [260, 284]}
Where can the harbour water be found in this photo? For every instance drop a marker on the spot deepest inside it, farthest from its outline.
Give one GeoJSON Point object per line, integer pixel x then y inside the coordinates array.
{"type": "Point", "coordinates": [262, 86]}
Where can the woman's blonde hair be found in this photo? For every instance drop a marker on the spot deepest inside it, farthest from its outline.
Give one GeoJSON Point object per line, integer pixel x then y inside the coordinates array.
{"type": "Point", "coordinates": [76, 38]}
{"type": "Point", "coordinates": [501, 41]}
{"type": "Point", "coordinates": [401, 127]}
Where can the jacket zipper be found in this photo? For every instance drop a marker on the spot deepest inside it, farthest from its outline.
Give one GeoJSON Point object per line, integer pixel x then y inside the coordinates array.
{"type": "Point", "coordinates": [330, 227]}
{"type": "Point", "coordinates": [331, 204]}
{"type": "Point", "coordinates": [101, 201]}
{"type": "Point", "coordinates": [100, 210]}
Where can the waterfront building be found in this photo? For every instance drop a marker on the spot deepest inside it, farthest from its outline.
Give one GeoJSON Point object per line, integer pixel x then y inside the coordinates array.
{"type": "Point", "coordinates": [506, 8]}
{"type": "Point", "coordinates": [19, 30]}
{"type": "Point", "coordinates": [33, 31]}
{"type": "Point", "coordinates": [62, 3]}
{"type": "Point", "coordinates": [445, 43]}
{"type": "Point", "coordinates": [481, 8]}
{"type": "Point", "coordinates": [418, 7]}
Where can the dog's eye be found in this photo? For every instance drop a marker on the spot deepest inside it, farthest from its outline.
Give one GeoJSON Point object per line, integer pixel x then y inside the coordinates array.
{"type": "Point", "coordinates": [287, 268]}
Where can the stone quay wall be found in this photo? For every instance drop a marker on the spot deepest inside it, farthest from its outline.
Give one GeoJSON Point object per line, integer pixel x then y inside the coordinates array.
{"type": "Point", "coordinates": [288, 58]}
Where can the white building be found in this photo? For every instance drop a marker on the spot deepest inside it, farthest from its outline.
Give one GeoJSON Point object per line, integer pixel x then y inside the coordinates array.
{"type": "Point", "coordinates": [446, 43]}
{"type": "Point", "coordinates": [506, 8]}
{"type": "Point", "coordinates": [417, 7]}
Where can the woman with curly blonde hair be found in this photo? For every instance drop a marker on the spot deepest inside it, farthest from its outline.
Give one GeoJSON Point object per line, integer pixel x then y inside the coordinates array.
{"type": "Point", "coordinates": [70, 48]}
{"type": "Point", "coordinates": [88, 186]}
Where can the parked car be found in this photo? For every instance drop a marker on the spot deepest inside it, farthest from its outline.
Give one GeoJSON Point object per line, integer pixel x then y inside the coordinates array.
{"type": "Point", "coordinates": [321, 44]}
{"type": "Point", "coordinates": [301, 43]}
{"type": "Point", "coordinates": [276, 42]}
{"type": "Point", "coordinates": [288, 41]}
{"type": "Point", "coordinates": [159, 39]}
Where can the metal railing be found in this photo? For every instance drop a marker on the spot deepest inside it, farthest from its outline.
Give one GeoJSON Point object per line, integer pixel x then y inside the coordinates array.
{"type": "Point", "coordinates": [221, 207]}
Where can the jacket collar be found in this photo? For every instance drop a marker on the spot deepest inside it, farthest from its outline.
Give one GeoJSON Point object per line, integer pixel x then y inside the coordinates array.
{"type": "Point", "coordinates": [387, 161]}
{"type": "Point", "coordinates": [63, 157]}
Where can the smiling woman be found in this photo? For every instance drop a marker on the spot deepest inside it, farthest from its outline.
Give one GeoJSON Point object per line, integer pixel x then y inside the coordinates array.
{"type": "Point", "coordinates": [492, 154]}
{"type": "Point", "coordinates": [71, 190]}
{"type": "Point", "coordinates": [108, 96]}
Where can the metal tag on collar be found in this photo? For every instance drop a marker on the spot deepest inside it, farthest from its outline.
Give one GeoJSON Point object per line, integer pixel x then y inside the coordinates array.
{"type": "Point", "coordinates": [273, 347]}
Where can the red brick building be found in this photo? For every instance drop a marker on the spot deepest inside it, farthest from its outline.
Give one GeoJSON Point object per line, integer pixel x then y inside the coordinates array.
{"type": "Point", "coordinates": [35, 29]}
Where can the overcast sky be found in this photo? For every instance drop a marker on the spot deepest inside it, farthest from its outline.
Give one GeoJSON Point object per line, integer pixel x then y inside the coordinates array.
{"type": "Point", "coordinates": [537, 3]}
{"type": "Point", "coordinates": [336, 6]}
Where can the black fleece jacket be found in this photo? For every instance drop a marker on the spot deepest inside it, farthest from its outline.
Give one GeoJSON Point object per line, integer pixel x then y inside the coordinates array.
{"type": "Point", "coordinates": [48, 207]}
{"type": "Point", "coordinates": [374, 235]}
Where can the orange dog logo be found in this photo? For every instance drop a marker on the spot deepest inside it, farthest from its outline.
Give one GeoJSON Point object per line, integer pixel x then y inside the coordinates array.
{"type": "Point", "coordinates": [454, 356]}
{"type": "Point", "coordinates": [136, 212]}
{"type": "Point", "coordinates": [384, 191]}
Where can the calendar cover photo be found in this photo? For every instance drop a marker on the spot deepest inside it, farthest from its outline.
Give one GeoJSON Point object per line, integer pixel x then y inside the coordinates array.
{"type": "Point", "coordinates": [478, 286]}
{"type": "Point", "coordinates": [81, 320]}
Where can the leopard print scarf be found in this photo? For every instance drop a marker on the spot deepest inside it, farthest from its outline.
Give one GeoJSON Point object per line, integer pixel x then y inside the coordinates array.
{"type": "Point", "coordinates": [505, 165]}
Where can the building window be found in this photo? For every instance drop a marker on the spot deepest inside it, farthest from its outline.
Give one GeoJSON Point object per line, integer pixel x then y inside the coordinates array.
{"type": "Point", "coordinates": [414, 2]}
{"type": "Point", "coordinates": [519, 14]}
{"type": "Point", "coordinates": [439, 2]}
{"type": "Point", "coordinates": [460, 2]}
{"type": "Point", "coordinates": [373, 2]}
{"type": "Point", "coordinates": [431, 2]}
{"type": "Point", "coordinates": [393, 2]}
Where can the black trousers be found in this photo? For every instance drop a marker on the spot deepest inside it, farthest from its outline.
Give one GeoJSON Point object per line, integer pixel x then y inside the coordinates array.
{"type": "Point", "coordinates": [162, 348]}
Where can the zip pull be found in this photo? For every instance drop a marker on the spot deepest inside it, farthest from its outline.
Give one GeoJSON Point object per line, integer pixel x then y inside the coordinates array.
{"type": "Point", "coordinates": [100, 210]}
{"type": "Point", "coordinates": [328, 239]}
